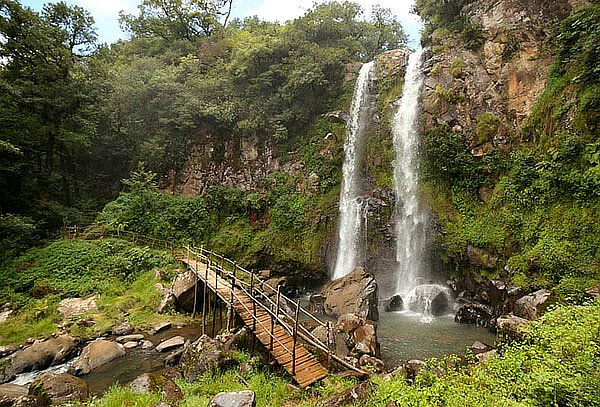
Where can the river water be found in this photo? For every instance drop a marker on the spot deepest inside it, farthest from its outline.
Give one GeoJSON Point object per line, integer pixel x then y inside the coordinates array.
{"type": "Point", "coordinates": [404, 336]}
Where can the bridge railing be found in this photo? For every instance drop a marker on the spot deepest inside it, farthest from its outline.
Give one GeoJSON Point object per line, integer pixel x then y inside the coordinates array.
{"type": "Point", "coordinates": [284, 311]}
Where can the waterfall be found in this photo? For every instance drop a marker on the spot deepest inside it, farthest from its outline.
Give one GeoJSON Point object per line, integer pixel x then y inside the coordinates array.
{"type": "Point", "coordinates": [350, 207]}
{"type": "Point", "coordinates": [411, 219]}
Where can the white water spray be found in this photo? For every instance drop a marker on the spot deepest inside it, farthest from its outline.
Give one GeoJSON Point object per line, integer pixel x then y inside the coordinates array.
{"type": "Point", "coordinates": [350, 207]}
{"type": "Point", "coordinates": [411, 218]}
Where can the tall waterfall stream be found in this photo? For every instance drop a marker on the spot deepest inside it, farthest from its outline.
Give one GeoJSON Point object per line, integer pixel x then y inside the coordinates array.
{"type": "Point", "coordinates": [349, 247]}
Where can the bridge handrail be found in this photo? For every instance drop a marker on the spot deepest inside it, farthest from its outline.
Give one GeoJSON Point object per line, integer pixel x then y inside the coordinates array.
{"type": "Point", "coordinates": [304, 333]}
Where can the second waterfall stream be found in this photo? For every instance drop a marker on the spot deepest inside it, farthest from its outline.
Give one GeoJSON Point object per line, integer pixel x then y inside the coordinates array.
{"type": "Point", "coordinates": [350, 223]}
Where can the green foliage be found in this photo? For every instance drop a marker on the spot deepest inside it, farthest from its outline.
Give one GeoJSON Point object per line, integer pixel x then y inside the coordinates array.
{"type": "Point", "coordinates": [446, 157]}
{"type": "Point", "coordinates": [541, 198]}
{"type": "Point", "coordinates": [18, 233]}
{"type": "Point", "coordinates": [556, 365]}
{"type": "Point", "coordinates": [446, 15]}
{"type": "Point", "coordinates": [177, 19]}
{"type": "Point", "coordinates": [75, 268]}
{"type": "Point", "coordinates": [487, 127]}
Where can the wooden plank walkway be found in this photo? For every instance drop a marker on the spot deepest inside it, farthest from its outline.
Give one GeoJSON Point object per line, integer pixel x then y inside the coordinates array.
{"type": "Point", "coordinates": [307, 368]}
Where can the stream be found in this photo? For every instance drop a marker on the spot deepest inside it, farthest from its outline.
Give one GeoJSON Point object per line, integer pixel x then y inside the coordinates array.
{"type": "Point", "coordinates": [125, 369]}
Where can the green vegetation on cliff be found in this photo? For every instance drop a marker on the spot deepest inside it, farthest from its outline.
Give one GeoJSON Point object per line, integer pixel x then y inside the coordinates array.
{"type": "Point", "coordinates": [530, 210]}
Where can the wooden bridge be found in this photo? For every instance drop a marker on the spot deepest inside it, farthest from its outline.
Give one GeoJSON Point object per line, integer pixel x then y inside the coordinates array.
{"type": "Point", "coordinates": [274, 319]}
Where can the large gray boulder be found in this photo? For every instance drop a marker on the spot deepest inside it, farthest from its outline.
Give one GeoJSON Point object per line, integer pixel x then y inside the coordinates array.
{"type": "Point", "coordinates": [533, 305]}
{"type": "Point", "coordinates": [183, 290]}
{"type": "Point", "coordinates": [511, 325]}
{"type": "Point", "coordinates": [60, 387]}
{"type": "Point", "coordinates": [38, 356]}
{"type": "Point", "coordinates": [245, 398]}
{"type": "Point", "coordinates": [96, 354]}
{"type": "Point", "coordinates": [72, 307]}
{"type": "Point", "coordinates": [355, 293]}
{"type": "Point", "coordinates": [170, 344]}
{"type": "Point", "coordinates": [355, 336]}
{"type": "Point", "coordinates": [159, 383]}
{"type": "Point", "coordinates": [201, 356]}
{"type": "Point", "coordinates": [9, 393]}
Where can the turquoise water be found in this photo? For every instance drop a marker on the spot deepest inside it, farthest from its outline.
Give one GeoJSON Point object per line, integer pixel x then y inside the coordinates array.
{"type": "Point", "coordinates": [404, 336]}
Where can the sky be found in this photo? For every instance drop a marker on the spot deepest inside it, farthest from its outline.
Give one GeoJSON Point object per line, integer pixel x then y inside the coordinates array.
{"type": "Point", "coordinates": [106, 12]}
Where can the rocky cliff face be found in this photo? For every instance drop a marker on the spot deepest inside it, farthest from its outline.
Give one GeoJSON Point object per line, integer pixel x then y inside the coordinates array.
{"type": "Point", "coordinates": [486, 92]}
{"type": "Point", "coordinates": [497, 84]}
{"type": "Point", "coordinates": [224, 160]}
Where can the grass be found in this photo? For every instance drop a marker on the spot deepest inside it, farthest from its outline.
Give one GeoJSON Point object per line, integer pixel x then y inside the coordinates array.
{"type": "Point", "coordinates": [120, 273]}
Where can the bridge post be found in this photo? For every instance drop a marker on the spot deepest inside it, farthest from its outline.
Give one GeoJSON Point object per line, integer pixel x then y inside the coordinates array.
{"type": "Point", "coordinates": [274, 317]}
{"type": "Point", "coordinates": [295, 337]}
{"type": "Point", "coordinates": [253, 309]}
{"type": "Point", "coordinates": [195, 291]}
{"type": "Point", "coordinates": [214, 321]}
{"type": "Point", "coordinates": [231, 319]}
{"type": "Point", "coordinates": [328, 345]}
{"type": "Point", "coordinates": [204, 299]}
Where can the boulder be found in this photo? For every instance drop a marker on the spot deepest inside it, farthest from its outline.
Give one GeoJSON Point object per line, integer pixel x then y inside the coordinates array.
{"type": "Point", "coordinates": [183, 290]}
{"type": "Point", "coordinates": [365, 341]}
{"type": "Point", "coordinates": [28, 401]}
{"type": "Point", "coordinates": [593, 291]}
{"type": "Point", "coordinates": [168, 300]}
{"type": "Point", "coordinates": [354, 396]}
{"type": "Point", "coordinates": [482, 357]}
{"type": "Point", "coordinates": [72, 307]}
{"type": "Point", "coordinates": [354, 336]}
{"type": "Point", "coordinates": [170, 344]}
{"type": "Point", "coordinates": [394, 304]}
{"type": "Point", "coordinates": [60, 387]}
{"type": "Point", "coordinates": [7, 350]}
{"type": "Point", "coordinates": [372, 362]}
{"type": "Point", "coordinates": [353, 293]}
{"type": "Point", "coordinates": [131, 345]}
{"type": "Point", "coordinates": [244, 398]}
{"type": "Point", "coordinates": [39, 356]}
{"type": "Point", "coordinates": [480, 347]}
{"type": "Point", "coordinates": [147, 345]}
{"type": "Point", "coordinates": [203, 355]}
{"type": "Point", "coordinates": [476, 314]}
{"type": "Point", "coordinates": [173, 358]}
{"type": "Point", "coordinates": [317, 304]}
{"type": "Point", "coordinates": [159, 383]}
{"type": "Point", "coordinates": [349, 322]}
{"type": "Point", "coordinates": [160, 328]}
{"type": "Point", "coordinates": [130, 338]}
{"type": "Point", "coordinates": [533, 305]}
{"type": "Point", "coordinates": [9, 393]}
{"type": "Point", "coordinates": [511, 325]}
{"type": "Point", "coordinates": [123, 329]}
{"type": "Point", "coordinates": [429, 299]}
{"type": "Point", "coordinates": [413, 367]}
{"type": "Point", "coordinates": [96, 354]}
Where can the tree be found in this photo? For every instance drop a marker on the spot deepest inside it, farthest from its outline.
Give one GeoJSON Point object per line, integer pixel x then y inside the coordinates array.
{"type": "Point", "coordinates": [44, 101]}
{"type": "Point", "coordinates": [177, 19]}
{"type": "Point", "coordinates": [74, 23]}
